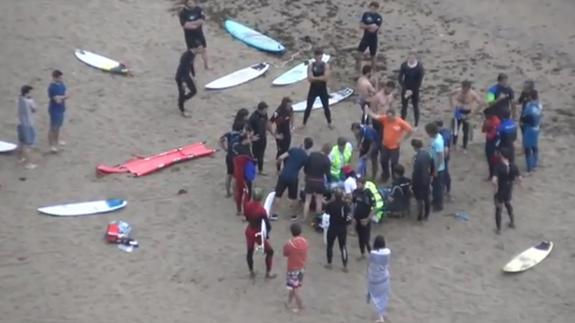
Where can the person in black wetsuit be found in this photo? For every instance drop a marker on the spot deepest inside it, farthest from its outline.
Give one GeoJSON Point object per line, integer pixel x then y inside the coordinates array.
{"type": "Point", "coordinates": [339, 218]}
{"type": "Point", "coordinates": [370, 23]}
{"type": "Point", "coordinates": [184, 79]}
{"type": "Point", "coordinates": [318, 74]}
{"type": "Point", "coordinates": [411, 75]}
{"type": "Point", "coordinates": [230, 142]}
{"type": "Point", "coordinates": [507, 134]}
{"type": "Point", "coordinates": [317, 170]}
{"type": "Point", "coordinates": [363, 202]}
{"type": "Point", "coordinates": [192, 18]}
{"type": "Point", "coordinates": [283, 120]}
{"type": "Point", "coordinates": [421, 179]}
{"type": "Point", "coordinates": [506, 172]}
{"type": "Point", "coordinates": [260, 124]}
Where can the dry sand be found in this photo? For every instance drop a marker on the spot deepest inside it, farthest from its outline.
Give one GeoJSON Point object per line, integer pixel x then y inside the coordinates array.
{"type": "Point", "coordinates": [191, 264]}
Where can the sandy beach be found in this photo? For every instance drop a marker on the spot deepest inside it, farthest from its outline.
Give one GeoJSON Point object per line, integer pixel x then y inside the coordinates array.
{"type": "Point", "coordinates": [191, 263]}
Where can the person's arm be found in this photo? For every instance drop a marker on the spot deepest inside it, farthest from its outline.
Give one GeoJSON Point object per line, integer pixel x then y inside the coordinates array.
{"type": "Point", "coordinates": [420, 75]}
{"type": "Point", "coordinates": [373, 115]}
{"type": "Point", "coordinates": [362, 25]}
{"type": "Point", "coordinates": [269, 128]}
{"type": "Point", "coordinates": [282, 157]}
{"type": "Point", "coordinates": [401, 78]}
{"type": "Point", "coordinates": [407, 128]}
{"type": "Point", "coordinates": [326, 74]}
{"type": "Point", "coordinates": [310, 76]}
{"type": "Point", "coordinates": [494, 181]}
{"type": "Point", "coordinates": [223, 142]}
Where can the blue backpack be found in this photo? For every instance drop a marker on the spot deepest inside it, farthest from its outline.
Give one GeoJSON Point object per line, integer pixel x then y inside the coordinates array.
{"type": "Point", "coordinates": [250, 171]}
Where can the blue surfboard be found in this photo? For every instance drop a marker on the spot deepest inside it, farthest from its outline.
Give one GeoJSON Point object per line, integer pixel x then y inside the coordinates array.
{"type": "Point", "coordinates": [253, 38]}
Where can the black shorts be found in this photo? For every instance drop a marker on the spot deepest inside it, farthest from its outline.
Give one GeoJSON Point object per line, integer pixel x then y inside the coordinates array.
{"type": "Point", "coordinates": [502, 197]}
{"type": "Point", "coordinates": [195, 37]}
{"type": "Point", "coordinates": [420, 191]}
{"type": "Point", "coordinates": [229, 164]}
{"type": "Point", "coordinates": [291, 187]}
{"type": "Point", "coordinates": [368, 42]}
{"type": "Point", "coordinates": [314, 186]}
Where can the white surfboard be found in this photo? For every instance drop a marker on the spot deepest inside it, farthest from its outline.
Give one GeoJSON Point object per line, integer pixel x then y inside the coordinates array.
{"type": "Point", "coordinates": [263, 231]}
{"type": "Point", "coordinates": [100, 62]}
{"type": "Point", "coordinates": [269, 202]}
{"type": "Point", "coordinates": [529, 258]}
{"type": "Point", "coordinates": [239, 77]}
{"type": "Point", "coordinates": [86, 208]}
{"type": "Point", "coordinates": [334, 98]}
{"type": "Point", "coordinates": [7, 146]}
{"type": "Point", "coordinates": [297, 73]}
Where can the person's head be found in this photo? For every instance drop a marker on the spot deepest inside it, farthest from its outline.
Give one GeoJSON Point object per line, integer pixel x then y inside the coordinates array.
{"type": "Point", "coordinates": [307, 143]}
{"type": "Point", "coordinates": [528, 85]}
{"type": "Point", "coordinates": [389, 87]}
{"type": "Point", "coordinates": [398, 170]}
{"type": "Point", "coordinates": [57, 75]}
{"type": "Point", "coordinates": [286, 102]}
{"type": "Point", "coordinates": [534, 95]}
{"type": "Point", "coordinates": [326, 148]}
{"type": "Point", "coordinates": [317, 54]}
{"type": "Point", "coordinates": [240, 119]}
{"type": "Point", "coordinates": [505, 154]}
{"type": "Point", "coordinates": [190, 3]}
{"type": "Point", "coordinates": [465, 86]}
{"type": "Point", "coordinates": [502, 79]}
{"type": "Point", "coordinates": [431, 129]}
{"type": "Point", "coordinates": [356, 129]}
{"type": "Point", "coordinates": [379, 242]}
{"type": "Point", "coordinates": [361, 183]}
{"type": "Point", "coordinates": [373, 6]}
{"type": "Point", "coordinates": [295, 229]}
{"type": "Point", "coordinates": [262, 108]}
{"type": "Point", "coordinates": [25, 90]}
{"type": "Point", "coordinates": [390, 113]}
{"type": "Point", "coordinates": [412, 58]}
{"type": "Point", "coordinates": [258, 194]}
{"type": "Point", "coordinates": [417, 144]}
{"type": "Point", "coordinates": [366, 70]}
{"type": "Point", "coordinates": [348, 171]}
{"type": "Point", "coordinates": [341, 143]}
{"type": "Point", "coordinates": [439, 123]}
{"type": "Point", "coordinates": [338, 194]}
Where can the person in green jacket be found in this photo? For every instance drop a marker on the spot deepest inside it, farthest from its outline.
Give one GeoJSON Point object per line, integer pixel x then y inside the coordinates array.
{"type": "Point", "coordinates": [340, 156]}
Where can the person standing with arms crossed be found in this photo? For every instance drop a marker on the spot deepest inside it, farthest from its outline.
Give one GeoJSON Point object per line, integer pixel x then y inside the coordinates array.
{"type": "Point", "coordinates": [58, 95]}
{"type": "Point", "coordinates": [318, 74]}
{"type": "Point", "coordinates": [411, 75]}
{"type": "Point", "coordinates": [395, 130]}
{"type": "Point", "coordinates": [192, 19]}
{"type": "Point", "coordinates": [295, 250]}
{"type": "Point", "coordinates": [26, 131]}
{"type": "Point", "coordinates": [370, 23]}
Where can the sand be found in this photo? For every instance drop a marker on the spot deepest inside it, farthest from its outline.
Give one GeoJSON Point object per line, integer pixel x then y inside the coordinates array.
{"type": "Point", "coordinates": [191, 264]}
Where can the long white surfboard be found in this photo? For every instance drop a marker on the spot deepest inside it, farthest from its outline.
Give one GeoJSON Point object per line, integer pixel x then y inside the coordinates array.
{"type": "Point", "coordinates": [85, 208]}
{"type": "Point", "coordinates": [263, 231]}
{"type": "Point", "coordinates": [529, 258]}
{"type": "Point", "coordinates": [297, 73]}
{"type": "Point", "coordinates": [100, 62]}
{"type": "Point", "coordinates": [334, 98]}
{"type": "Point", "coordinates": [239, 77]}
{"type": "Point", "coordinates": [7, 146]}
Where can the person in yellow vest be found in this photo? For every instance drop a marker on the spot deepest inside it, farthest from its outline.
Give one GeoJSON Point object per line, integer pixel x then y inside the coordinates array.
{"type": "Point", "coordinates": [340, 156]}
{"type": "Point", "coordinates": [378, 210]}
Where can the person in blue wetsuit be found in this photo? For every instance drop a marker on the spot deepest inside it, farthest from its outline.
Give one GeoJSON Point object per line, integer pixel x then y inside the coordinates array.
{"type": "Point", "coordinates": [530, 125]}
{"type": "Point", "coordinates": [507, 134]}
{"type": "Point", "coordinates": [368, 143]}
{"type": "Point", "coordinates": [500, 98]}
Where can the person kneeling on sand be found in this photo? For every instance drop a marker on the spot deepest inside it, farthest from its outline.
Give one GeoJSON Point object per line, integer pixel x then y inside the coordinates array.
{"type": "Point", "coordinates": [256, 214]}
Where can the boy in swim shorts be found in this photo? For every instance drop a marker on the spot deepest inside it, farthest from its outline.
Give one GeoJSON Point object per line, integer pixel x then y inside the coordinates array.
{"type": "Point", "coordinates": [296, 252]}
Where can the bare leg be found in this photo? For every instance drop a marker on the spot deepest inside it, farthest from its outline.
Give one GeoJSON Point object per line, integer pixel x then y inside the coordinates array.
{"type": "Point", "coordinates": [298, 300]}
{"type": "Point", "coordinates": [306, 205]}
{"type": "Point", "coordinates": [373, 62]}
{"type": "Point", "coordinates": [229, 185]}
{"type": "Point", "coordinates": [53, 140]}
{"type": "Point", "coordinates": [204, 55]}
{"type": "Point", "coordinates": [358, 61]}
{"type": "Point", "coordinates": [26, 157]}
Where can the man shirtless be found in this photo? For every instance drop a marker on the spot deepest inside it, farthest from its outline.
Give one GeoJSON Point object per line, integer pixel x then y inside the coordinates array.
{"type": "Point", "coordinates": [366, 90]}
{"type": "Point", "coordinates": [380, 103]}
{"type": "Point", "coordinates": [465, 102]}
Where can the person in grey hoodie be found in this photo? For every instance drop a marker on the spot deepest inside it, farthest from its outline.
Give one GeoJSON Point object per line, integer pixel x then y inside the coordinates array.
{"type": "Point", "coordinates": [378, 277]}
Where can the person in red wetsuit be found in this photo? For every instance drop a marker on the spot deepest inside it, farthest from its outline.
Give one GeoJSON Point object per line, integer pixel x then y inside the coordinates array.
{"type": "Point", "coordinates": [243, 186]}
{"type": "Point", "coordinates": [256, 215]}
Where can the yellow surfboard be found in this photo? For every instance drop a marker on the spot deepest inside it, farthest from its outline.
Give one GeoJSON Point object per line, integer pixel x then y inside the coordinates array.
{"type": "Point", "coordinates": [529, 258]}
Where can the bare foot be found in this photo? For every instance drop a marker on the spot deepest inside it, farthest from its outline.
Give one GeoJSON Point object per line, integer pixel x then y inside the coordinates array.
{"type": "Point", "coordinates": [327, 266]}
{"type": "Point", "coordinates": [270, 276]}
{"type": "Point", "coordinates": [62, 143]}
{"type": "Point", "coordinates": [330, 126]}
{"type": "Point", "coordinates": [252, 274]}
{"type": "Point", "coordinates": [344, 269]}
{"type": "Point", "coordinates": [185, 114]}
{"type": "Point", "coordinates": [54, 149]}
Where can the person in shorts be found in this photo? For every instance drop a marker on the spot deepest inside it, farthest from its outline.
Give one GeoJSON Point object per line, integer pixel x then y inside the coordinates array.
{"type": "Point", "coordinates": [317, 171]}
{"type": "Point", "coordinates": [192, 19]}
{"type": "Point", "coordinates": [26, 131]}
{"type": "Point", "coordinates": [295, 250]}
{"type": "Point", "coordinates": [58, 96]}
{"type": "Point", "coordinates": [293, 160]}
{"type": "Point", "coordinates": [370, 23]}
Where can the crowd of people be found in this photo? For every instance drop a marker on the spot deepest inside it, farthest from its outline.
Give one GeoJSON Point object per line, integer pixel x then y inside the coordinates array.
{"type": "Point", "coordinates": [336, 191]}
